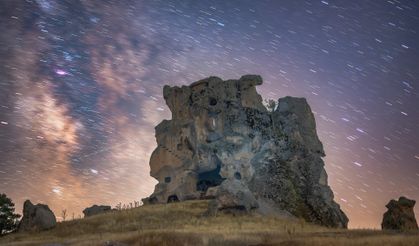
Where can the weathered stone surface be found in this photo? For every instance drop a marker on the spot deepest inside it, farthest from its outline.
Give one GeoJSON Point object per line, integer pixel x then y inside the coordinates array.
{"type": "Point", "coordinates": [400, 215]}
{"type": "Point", "coordinates": [36, 218]}
{"type": "Point", "coordinates": [95, 209]}
{"type": "Point", "coordinates": [222, 142]}
{"type": "Point", "coordinates": [232, 194]}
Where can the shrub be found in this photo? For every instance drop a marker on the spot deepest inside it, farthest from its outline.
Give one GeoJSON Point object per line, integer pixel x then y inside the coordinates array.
{"type": "Point", "coordinates": [8, 219]}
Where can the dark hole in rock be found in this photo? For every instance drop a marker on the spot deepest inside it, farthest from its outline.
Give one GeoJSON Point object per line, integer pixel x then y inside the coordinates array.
{"type": "Point", "coordinates": [212, 101]}
{"type": "Point", "coordinates": [172, 198]}
{"type": "Point", "coordinates": [237, 175]}
{"type": "Point", "coordinates": [179, 147]}
{"type": "Point", "coordinates": [209, 179]}
{"type": "Point", "coordinates": [167, 179]}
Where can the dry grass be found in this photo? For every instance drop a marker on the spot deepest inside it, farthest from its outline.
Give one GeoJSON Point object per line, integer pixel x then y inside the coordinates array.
{"type": "Point", "coordinates": [185, 224]}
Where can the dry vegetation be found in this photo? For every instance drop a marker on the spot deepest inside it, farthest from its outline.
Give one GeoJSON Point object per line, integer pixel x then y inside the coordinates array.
{"type": "Point", "coordinates": [185, 224]}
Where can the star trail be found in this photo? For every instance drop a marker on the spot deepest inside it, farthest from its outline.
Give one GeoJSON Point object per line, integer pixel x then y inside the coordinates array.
{"type": "Point", "coordinates": [81, 90]}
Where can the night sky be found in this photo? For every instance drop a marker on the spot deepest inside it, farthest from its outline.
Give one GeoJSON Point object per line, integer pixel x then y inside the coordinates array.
{"type": "Point", "coordinates": [81, 90]}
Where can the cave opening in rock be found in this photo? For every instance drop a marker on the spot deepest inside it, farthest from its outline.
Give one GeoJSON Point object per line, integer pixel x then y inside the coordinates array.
{"type": "Point", "coordinates": [212, 101]}
{"type": "Point", "coordinates": [172, 198]}
{"type": "Point", "coordinates": [167, 179]}
{"type": "Point", "coordinates": [209, 179]}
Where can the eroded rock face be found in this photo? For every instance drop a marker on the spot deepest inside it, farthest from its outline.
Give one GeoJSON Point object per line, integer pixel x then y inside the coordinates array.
{"type": "Point", "coordinates": [223, 143]}
{"type": "Point", "coordinates": [36, 218]}
{"type": "Point", "coordinates": [96, 209]}
{"type": "Point", "coordinates": [400, 215]}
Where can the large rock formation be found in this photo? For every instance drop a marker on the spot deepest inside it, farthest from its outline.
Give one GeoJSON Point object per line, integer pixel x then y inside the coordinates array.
{"type": "Point", "coordinates": [223, 143]}
{"type": "Point", "coordinates": [96, 209]}
{"type": "Point", "coordinates": [400, 215]}
{"type": "Point", "coordinates": [36, 217]}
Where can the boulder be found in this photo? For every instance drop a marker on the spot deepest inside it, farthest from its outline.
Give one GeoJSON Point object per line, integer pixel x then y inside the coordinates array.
{"type": "Point", "coordinates": [36, 218]}
{"type": "Point", "coordinates": [400, 215]}
{"type": "Point", "coordinates": [234, 195]}
{"type": "Point", "coordinates": [223, 143]}
{"type": "Point", "coordinates": [96, 209]}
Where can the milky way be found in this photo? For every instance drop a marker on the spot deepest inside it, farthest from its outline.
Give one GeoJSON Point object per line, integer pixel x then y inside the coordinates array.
{"type": "Point", "coordinates": [81, 90]}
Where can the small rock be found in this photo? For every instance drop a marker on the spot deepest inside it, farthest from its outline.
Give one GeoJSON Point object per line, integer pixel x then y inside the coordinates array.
{"type": "Point", "coordinates": [114, 243]}
{"type": "Point", "coordinates": [95, 209]}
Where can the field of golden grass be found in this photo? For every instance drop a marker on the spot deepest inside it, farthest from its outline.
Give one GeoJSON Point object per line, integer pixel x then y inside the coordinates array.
{"type": "Point", "coordinates": [184, 223]}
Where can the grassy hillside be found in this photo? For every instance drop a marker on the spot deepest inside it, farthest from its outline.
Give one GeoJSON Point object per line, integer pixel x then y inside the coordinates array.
{"type": "Point", "coordinates": [185, 224]}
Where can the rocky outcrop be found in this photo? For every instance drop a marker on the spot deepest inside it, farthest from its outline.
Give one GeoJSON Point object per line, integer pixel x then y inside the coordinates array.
{"type": "Point", "coordinates": [36, 218]}
{"type": "Point", "coordinates": [96, 209]}
{"type": "Point", "coordinates": [223, 143]}
{"type": "Point", "coordinates": [400, 215]}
